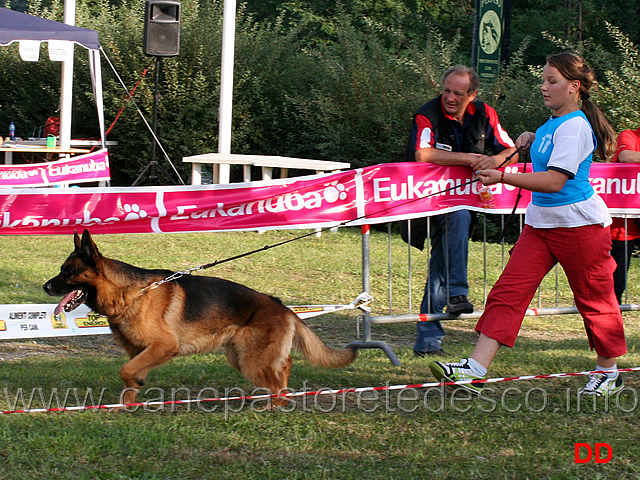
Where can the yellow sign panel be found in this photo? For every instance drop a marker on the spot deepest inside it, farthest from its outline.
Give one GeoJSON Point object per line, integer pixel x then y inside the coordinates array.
{"type": "Point", "coordinates": [92, 320]}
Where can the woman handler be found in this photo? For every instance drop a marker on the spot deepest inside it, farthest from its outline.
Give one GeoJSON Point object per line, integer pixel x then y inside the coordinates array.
{"type": "Point", "coordinates": [566, 222]}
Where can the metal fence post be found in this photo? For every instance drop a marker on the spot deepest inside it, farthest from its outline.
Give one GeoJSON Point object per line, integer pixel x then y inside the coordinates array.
{"type": "Point", "coordinates": [366, 286]}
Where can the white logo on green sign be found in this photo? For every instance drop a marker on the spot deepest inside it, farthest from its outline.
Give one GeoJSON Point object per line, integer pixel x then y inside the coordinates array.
{"type": "Point", "coordinates": [490, 32]}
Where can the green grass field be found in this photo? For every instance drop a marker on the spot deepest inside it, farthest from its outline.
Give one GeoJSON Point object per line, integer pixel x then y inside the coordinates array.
{"type": "Point", "coordinates": [519, 430]}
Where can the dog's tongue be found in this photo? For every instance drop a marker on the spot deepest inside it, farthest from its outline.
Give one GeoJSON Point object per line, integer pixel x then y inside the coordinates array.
{"type": "Point", "coordinates": [67, 298]}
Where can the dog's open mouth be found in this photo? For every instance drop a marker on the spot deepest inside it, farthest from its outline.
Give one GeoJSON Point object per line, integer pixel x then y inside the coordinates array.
{"type": "Point", "coordinates": [71, 301]}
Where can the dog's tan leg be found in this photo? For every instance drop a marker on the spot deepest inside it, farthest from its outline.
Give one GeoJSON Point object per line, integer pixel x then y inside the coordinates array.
{"type": "Point", "coordinates": [232, 357]}
{"type": "Point", "coordinates": [261, 350]}
{"type": "Point", "coordinates": [134, 372]}
{"type": "Point", "coordinates": [276, 380]}
{"type": "Point", "coordinates": [283, 380]}
{"type": "Point", "coordinates": [268, 369]}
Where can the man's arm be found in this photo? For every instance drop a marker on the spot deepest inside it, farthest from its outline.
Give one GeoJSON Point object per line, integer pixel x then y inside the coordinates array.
{"type": "Point", "coordinates": [498, 139]}
{"type": "Point", "coordinates": [443, 157]}
{"type": "Point", "coordinates": [627, 147]}
{"type": "Point", "coordinates": [474, 160]}
{"type": "Point", "coordinates": [629, 156]}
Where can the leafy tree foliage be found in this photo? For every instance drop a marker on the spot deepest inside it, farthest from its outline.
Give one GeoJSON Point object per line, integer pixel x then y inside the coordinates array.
{"type": "Point", "coordinates": [620, 95]}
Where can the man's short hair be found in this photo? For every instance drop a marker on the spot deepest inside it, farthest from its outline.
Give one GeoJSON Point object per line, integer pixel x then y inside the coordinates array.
{"type": "Point", "coordinates": [474, 84]}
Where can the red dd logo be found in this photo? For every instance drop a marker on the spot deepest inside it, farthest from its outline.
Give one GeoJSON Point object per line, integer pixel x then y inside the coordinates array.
{"type": "Point", "coordinates": [592, 452]}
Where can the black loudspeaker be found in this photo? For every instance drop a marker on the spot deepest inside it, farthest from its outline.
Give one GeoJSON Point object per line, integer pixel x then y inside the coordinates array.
{"type": "Point", "coordinates": [162, 28]}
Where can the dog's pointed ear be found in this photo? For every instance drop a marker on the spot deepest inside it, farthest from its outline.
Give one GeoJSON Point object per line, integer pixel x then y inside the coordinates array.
{"type": "Point", "coordinates": [76, 240]}
{"type": "Point", "coordinates": [87, 245]}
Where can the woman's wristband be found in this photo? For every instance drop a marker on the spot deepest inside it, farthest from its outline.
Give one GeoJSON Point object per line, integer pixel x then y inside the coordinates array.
{"type": "Point", "coordinates": [502, 177]}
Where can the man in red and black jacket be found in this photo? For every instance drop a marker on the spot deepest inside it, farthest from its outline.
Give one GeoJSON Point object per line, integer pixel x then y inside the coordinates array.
{"type": "Point", "coordinates": [452, 129]}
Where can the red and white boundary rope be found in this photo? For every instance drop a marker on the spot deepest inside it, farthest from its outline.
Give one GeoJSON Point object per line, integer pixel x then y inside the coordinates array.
{"type": "Point", "coordinates": [311, 393]}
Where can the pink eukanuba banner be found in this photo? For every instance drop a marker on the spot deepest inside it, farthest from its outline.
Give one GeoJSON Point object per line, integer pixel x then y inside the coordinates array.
{"type": "Point", "coordinates": [91, 167]}
{"type": "Point", "coordinates": [376, 194]}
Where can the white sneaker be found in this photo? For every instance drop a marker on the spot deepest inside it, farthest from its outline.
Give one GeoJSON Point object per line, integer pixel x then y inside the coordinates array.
{"type": "Point", "coordinates": [601, 385]}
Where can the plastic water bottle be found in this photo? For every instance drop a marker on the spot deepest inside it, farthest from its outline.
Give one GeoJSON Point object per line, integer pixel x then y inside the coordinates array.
{"type": "Point", "coordinates": [12, 131]}
{"type": "Point", "coordinates": [486, 197]}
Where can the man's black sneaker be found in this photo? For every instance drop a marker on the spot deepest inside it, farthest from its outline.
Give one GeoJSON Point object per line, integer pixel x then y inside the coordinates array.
{"type": "Point", "coordinates": [432, 353]}
{"type": "Point", "coordinates": [459, 304]}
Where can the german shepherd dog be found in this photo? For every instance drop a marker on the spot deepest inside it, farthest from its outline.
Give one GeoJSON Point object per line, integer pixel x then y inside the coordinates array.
{"type": "Point", "coordinates": [193, 314]}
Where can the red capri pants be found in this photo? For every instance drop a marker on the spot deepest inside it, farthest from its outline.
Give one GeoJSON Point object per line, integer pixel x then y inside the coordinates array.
{"type": "Point", "coordinates": [583, 253]}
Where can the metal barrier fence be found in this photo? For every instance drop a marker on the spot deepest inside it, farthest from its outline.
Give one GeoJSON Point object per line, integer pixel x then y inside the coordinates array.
{"type": "Point", "coordinates": [540, 305]}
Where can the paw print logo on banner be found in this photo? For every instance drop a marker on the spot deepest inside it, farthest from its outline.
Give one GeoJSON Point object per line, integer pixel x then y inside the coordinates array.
{"type": "Point", "coordinates": [334, 191]}
{"type": "Point", "coordinates": [134, 212]}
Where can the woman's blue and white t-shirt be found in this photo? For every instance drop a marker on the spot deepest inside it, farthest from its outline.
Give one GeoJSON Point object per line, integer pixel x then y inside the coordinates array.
{"type": "Point", "coordinates": [566, 144]}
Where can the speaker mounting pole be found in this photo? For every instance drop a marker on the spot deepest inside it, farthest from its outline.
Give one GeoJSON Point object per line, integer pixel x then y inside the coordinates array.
{"type": "Point", "coordinates": [150, 169]}
{"type": "Point", "coordinates": [161, 39]}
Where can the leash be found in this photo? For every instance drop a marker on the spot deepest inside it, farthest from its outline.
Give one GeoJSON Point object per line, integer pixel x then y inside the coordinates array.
{"type": "Point", "coordinates": [509, 157]}
{"type": "Point", "coordinates": [189, 271]}
{"type": "Point", "coordinates": [515, 205]}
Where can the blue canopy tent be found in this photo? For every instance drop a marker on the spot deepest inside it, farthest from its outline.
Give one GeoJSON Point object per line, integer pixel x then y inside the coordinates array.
{"type": "Point", "coordinates": [17, 26]}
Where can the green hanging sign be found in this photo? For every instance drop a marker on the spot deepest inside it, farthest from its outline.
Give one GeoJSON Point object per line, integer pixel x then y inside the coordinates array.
{"type": "Point", "coordinates": [490, 30]}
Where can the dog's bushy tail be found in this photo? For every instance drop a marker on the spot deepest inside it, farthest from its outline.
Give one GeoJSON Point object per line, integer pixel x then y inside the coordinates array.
{"type": "Point", "coordinates": [317, 352]}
